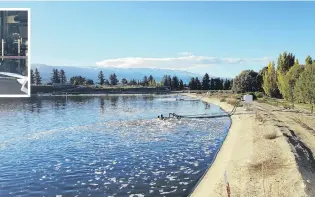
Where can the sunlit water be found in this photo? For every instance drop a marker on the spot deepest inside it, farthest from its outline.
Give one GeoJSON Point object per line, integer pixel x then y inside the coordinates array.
{"type": "Point", "coordinates": [105, 146]}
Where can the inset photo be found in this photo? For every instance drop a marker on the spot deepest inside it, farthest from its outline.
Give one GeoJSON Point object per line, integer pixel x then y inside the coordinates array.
{"type": "Point", "coordinates": [14, 57]}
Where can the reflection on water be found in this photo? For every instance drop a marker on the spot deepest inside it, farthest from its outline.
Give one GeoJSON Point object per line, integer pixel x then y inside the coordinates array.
{"type": "Point", "coordinates": [104, 146]}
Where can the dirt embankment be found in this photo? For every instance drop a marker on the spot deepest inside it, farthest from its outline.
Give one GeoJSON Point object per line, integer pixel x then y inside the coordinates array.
{"type": "Point", "coordinates": [297, 127]}
{"type": "Point", "coordinates": [267, 153]}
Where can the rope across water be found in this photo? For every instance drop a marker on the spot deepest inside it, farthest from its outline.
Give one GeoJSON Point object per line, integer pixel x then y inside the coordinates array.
{"type": "Point", "coordinates": [174, 115]}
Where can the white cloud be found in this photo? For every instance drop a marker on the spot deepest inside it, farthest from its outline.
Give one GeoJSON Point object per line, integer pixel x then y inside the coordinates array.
{"type": "Point", "coordinates": [184, 61]}
{"type": "Point", "coordinates": [184, 54]}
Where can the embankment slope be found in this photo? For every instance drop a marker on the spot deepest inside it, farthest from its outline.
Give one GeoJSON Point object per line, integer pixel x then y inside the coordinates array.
{"type": "Point", "coordinates": [255, 164]}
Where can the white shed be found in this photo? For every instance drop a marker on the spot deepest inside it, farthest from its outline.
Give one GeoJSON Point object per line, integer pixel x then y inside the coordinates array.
{"type": "Point", "coordinates": [248, 98]}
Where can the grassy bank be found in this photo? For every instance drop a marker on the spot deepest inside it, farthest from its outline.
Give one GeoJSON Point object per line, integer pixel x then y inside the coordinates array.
{"type": "Point", "coordinates": [260, 98]}
{"type": "Point", "coordinates": [285, 104]}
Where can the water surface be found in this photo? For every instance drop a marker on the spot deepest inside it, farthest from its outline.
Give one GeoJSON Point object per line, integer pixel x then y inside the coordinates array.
{"type": "Point", "coordinates": [105, 146]}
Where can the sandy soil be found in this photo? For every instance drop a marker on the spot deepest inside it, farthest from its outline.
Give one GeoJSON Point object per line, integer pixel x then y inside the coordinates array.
{"type": "Point", "coordinates": [267, 153]}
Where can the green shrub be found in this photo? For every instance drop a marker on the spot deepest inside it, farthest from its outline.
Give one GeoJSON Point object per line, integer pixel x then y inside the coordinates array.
{"type": "Point", "coordinates": [263, 100]}
{"type": "Point", "coordinates": [259, 94]}
{"type": "Point", "coordinates": [223, 99]}
{"type": "Point", "coordinates": [239, 97]}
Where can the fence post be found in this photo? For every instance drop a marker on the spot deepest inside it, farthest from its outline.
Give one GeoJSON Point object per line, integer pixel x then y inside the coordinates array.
{"type": "Point", "coordinates": [227, 185]}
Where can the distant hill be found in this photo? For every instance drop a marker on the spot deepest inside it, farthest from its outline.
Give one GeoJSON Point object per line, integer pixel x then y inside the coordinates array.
{"type": "Point", "coordinates": [128, 73]}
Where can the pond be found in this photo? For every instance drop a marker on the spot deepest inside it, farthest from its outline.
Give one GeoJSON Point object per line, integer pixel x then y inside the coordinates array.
{"type": "Point", "coordinates": [105, 145]}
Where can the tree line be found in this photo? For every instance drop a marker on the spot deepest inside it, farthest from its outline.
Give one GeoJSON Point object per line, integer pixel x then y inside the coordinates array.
{"type": "Point", "coordinates": [208, 83]}
{"type": "Point", "coordinates": [288, 79]}
{"type": "Point", "coordinates": [59, 77]}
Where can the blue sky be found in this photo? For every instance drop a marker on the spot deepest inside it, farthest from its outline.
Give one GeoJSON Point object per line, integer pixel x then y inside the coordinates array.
{"type": "Point", "coordinates": [221, 38]}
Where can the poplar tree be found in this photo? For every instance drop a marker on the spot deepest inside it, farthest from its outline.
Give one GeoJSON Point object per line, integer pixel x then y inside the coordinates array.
{"type": "Point", "coordinates": [308, 60]}
{"type": "Point", "coordinates": [289, 80]}
{"type": "Point", "coordinates": [285, 62]}
{"type": "Point", "coordinates": [304, 88]}
{"type": "Point", "coordinates": [270, 80]}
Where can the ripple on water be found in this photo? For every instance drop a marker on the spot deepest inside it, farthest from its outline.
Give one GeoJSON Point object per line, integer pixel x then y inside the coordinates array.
{"type": "Point", "coordinates": [97, 154]}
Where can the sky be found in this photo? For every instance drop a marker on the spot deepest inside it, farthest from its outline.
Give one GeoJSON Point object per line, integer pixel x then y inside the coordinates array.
{"type": "Point", "coordinates": [220, 38]}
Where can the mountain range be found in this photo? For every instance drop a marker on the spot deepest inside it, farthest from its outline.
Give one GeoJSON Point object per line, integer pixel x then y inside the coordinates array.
{"type": "Point", "coordinates": [128, 73]}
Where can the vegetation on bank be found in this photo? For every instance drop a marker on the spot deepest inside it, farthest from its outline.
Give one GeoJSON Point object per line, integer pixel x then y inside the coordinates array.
{"type": "Point", "coordinates": [290, 80]}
